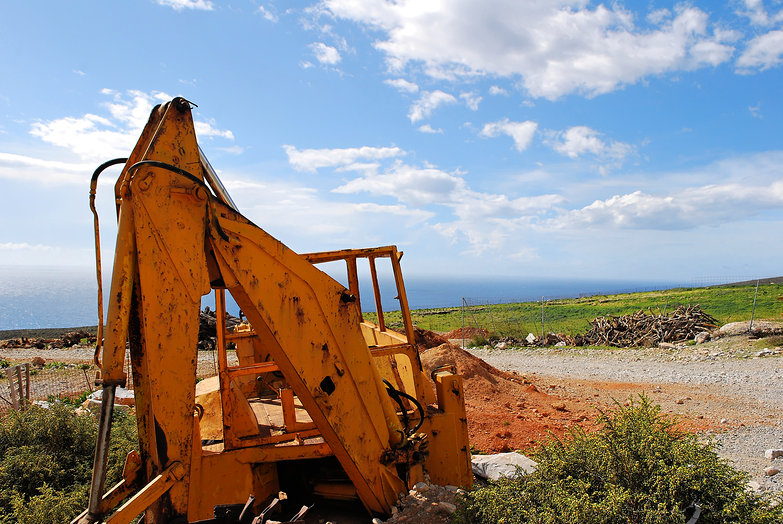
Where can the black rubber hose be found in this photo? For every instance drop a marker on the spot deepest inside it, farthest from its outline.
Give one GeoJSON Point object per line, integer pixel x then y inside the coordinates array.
{"type": "Point", "coordinates": [418, 407]}
{"type": "Point", "coordinates": [394, 394]}
{"type": "Point", "coordinates": [189, 176]}
{"type": "Point", "coordinates": [106, 165]}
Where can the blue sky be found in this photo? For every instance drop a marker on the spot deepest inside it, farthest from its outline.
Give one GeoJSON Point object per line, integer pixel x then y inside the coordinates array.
{"type": "Point", "coordinates": [573, 139]}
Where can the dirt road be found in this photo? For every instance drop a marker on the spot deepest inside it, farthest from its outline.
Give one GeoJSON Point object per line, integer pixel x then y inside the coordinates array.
{"type": "Point", "coordinates": [722, 388]}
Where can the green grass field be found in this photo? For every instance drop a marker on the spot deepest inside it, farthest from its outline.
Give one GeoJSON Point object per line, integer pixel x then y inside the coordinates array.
{"type": "Point", "coordinates": [572, 316]}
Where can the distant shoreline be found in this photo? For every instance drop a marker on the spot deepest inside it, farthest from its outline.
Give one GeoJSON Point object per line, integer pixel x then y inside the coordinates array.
{"type": "Point", "coordinates": [55, 332]}
{"type": "Point", "coordinates": [43, 332]}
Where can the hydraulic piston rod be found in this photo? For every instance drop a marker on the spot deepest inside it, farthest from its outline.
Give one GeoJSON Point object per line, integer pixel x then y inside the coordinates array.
{"type": "Point", "coordinates": [94, 513]}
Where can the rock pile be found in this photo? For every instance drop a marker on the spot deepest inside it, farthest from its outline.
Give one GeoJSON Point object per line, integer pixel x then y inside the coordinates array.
{"type": "Point", "coordinates": [69, 339]}
{"type": "Point", "coordinates": [207, 328]}
{"type": "Point", "coordinates": [425, 502]}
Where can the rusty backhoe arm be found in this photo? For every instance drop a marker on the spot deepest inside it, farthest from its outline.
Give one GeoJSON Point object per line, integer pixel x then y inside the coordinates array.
{"type": "Point", "coordinates": [176, 242]}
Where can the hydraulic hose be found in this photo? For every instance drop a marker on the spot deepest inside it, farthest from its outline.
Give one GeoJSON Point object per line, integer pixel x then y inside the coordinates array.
{"type": "Point", "coordinates": [395, 394]}
{"type": "Point", "coordinates": [93, 186]}
{"type": "Point", "coordinates": [192, 178]}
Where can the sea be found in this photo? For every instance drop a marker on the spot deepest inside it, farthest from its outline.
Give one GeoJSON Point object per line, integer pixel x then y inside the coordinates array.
{"type": "Point", "coordinates": [55, 297]}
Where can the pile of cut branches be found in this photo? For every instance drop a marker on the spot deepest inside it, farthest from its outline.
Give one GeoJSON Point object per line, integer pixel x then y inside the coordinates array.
{"type": "Point", "coordinates": [648, 329]}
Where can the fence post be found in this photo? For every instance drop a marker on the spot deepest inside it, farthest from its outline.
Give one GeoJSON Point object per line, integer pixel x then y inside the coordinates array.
{"type": "Point", "coordinates": [543, 329]}
{"type": "Point", "coordinates": [753, 311]}
{"type": "Point", "coordinates": [27, 381]}
{"type": "Point", "coordinates": [14, 401]}
{"type": "Point", "coordinates": [463, 322]}
{"type": "Point", "coordinates": [491, 318]}
{"type": "Point", "coordinates": [478, 326]}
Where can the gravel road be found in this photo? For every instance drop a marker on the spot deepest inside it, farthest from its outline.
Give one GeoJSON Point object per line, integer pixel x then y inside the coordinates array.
{"type": "Point", "coordinates": [723, 388]}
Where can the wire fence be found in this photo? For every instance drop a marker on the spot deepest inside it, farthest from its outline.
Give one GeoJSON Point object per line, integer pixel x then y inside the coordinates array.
{"type": "Point", "coordinates": [572, 316]}
{"type": "Point", "coordinates": [517, 320]}
{"type": "Point", "coordinates": [70, 381]}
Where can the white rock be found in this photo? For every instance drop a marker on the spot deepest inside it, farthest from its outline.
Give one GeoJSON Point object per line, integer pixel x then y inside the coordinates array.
{"type": "Point", "coordinates": [560, 344]}
{"type": "Point", "coordinates": [420, 487]}
{"type": "Point", "coordinates": [773, 453]}
{"type": "Point", "coordinates": [499, 465]}
{"type": "Point", "coordinates": [501, 345]}
{"type": "Point", "coordinates": [666, 345]}
{"type": "Point", "coordinates": [753, 486]}
{"type": "Point", "coordinates": [702, 337]}
{"type": "Point", "coordinates": [530, 338]}
{"type": "Point", "coordinates": [377, 521]}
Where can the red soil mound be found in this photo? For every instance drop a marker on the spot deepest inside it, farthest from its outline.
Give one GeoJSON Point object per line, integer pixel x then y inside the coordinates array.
{"type": "Point", "coordinates": [469, 332]}
{"type": "Point", "coordinates": [428, 339]}
{"type": "Point", "coordinates": [507, 411]}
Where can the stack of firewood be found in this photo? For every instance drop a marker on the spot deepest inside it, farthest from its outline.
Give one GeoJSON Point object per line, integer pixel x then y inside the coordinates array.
{"type": "Point", "coordinates": [648, 329]}
{"type": "Point", "coordinates": [207, 328]}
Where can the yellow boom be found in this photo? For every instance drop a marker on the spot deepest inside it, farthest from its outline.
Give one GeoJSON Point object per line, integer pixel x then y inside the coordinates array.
{"type": "Point", "coordinates": [315, 385]}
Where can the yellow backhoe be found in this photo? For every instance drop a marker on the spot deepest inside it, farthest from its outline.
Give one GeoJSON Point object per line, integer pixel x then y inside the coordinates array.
{"type": "Point", "coordinates": [314, 398]}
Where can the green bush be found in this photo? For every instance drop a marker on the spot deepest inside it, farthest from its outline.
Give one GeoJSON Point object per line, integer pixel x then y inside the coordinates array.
{"type": "Point", "coordinates": [478, 341]}
{"type": "Point", "coordinates": [46, 461]}
{"type": "Point", "coordinates": [638, 468]}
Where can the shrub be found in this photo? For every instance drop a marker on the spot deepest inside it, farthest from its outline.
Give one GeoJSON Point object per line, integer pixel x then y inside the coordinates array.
{"type": "Point", "coordinates": [638, 468]}
{"type": "Point", "coordinates": [46, 461]}
{"type": "Point", "coordinates": [478, 341]}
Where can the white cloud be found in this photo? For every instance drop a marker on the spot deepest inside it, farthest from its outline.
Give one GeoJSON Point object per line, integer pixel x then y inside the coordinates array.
{"type": "Point", "coordinates": [400, 84]}
{"type": "Point", "coordinates": [483, 219]}
{"type": "Point", "coordinates": [659, 16]}
{"type": "Point", "coordinates": [97, 138]}
{"type": "Point", "coordinates": [429, 102]}
{"type": "Point", "coordinates": [578, 140]}
{"type": "Point", "coordinates": [762, 52]}
{"type": "Point", "coordinates": [29, 255]}
{"type": "Point", "coordinates": [416, 186]}
{"type": "Point", "coordinates": [232, 150]}
{"type": "Point", "coordinates": [685, 209]}
{"type": "Point", "coordinates": [497, 90]}
{"type": "Point", "coordinates": [521, 132]}
{"type": "Point", "coordinates": [553, 48]}
{"type": "Point", "coordinates": [179, 5]}
{"type": "Point", "coordinates": [46, 172]}
{"type": "Point", "coordinates": [758, 15]}
{"type": "Point", "coordinates": [312, 159]}
{"type": "Point", "coordinates": [426, 128]}
{"type": "Point", "coordinates": [472, 100]}
{"type": "Point", "coordinates": [11, 246]}
{"type": "Point", "coordinates": [268, 14]}
{"type": "Point", "coordinates": [325, 54]}
{"type": "Point", "coordinates": [269, 202]}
